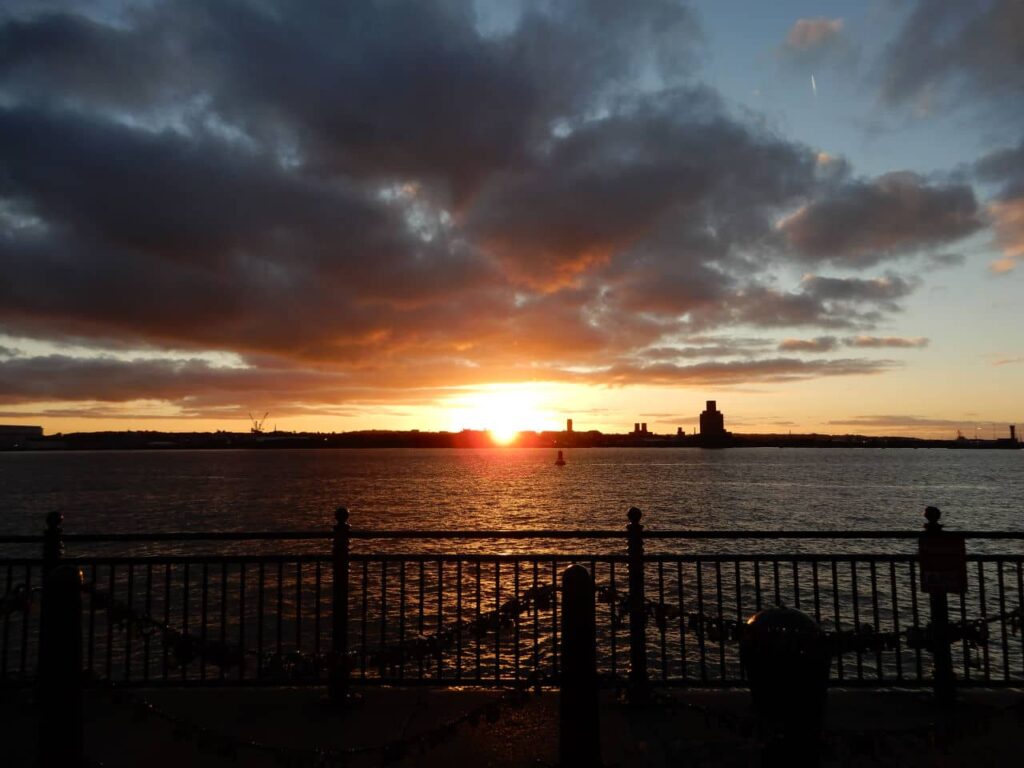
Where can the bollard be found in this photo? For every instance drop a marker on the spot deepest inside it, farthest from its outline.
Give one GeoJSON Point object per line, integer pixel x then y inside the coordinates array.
{"type": "Point", "coordinates": [59, 681]}
{"type": "Point", "coordinates": [338, 682]}
{"type": "Point", "coordinates": [579, 732]}
{"type": "Point", "coordinates": [942, 557]}
{"type": "Point", "coordinates": [786, 664]}
{"type": "Point", "coordinates": [53, 546]}
{"type": "Point", "coordinates": [637, 608]}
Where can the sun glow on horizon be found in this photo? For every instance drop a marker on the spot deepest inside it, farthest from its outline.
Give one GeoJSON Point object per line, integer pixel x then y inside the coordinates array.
{"type": "Point", "coordinates": [503, 410]}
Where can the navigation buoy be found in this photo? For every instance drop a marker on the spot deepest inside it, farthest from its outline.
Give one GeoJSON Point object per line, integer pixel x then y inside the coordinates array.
{"type": "Point", "coordinates": [560, 461]}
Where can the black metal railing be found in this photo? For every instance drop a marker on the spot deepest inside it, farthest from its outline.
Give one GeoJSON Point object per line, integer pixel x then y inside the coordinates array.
{"type": "Point", "coordinates": [367, 612]}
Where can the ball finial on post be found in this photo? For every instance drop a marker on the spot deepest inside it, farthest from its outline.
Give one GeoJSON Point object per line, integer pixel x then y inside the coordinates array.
{"type": "Point", "coordinates": [932, 515]}
{"type": "Point", "coordinates": [341, 515]}
{"type": "Point", "coordinates": [634, 515]}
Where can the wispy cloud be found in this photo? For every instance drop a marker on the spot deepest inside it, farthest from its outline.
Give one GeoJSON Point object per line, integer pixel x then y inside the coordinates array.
{"type": "Point", "coordinates": [897, 342]}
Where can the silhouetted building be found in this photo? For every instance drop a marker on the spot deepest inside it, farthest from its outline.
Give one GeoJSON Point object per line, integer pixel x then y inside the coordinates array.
{"type": "Point", "coordinates": [643, 427]}
{"type": "Point", "coordinates": [17, 435]}
{"type": "Point", "coordinates": [712, 421]}
{"type": "Point", "coordinates": [680, 432]}
{"type": "Point", "coordinates": [1013, 433]}
{"type": "Point", "coordinates": [568, 425]}
{"type": "Point", "coordinates": [636, 427]}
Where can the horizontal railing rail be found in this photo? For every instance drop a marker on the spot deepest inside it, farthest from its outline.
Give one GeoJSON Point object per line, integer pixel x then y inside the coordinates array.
{"type": "Point", "coordinates": [442, 534]}
{"type": "Point", "coordinates": [487, 617]}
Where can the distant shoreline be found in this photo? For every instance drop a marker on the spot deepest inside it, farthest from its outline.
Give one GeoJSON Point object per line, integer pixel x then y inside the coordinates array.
{"type": "Point", "coordinates": [148, 440]}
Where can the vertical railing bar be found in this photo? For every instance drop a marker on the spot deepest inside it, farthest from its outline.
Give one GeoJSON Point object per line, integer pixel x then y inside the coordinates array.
{"type": "Point", "coordinates": [698, 567]}
{"type": "Point", "coordinates": [364, 622]}
{"type": "Point", "coordinates": [796, 585]}
{"type": "Point", "coordinates": [184, 613]}
{"type": "Point", "coordinates": [202, 617]}
{"type": "Point", "coordinates": [317, 586]}
{"type": "Point", "coordinates": [682, 618]}
{"type": "Point", "coordinates": [613, 631]}
{"type": "Point", "coordinates": [554, 620]}
{"type": "Point", "coordinates": [1002, 611]}
{"type": "Point", "coordinates": [835, 608]}
{"type": "Point", "coordinates": [241, 620]}
{"type": "Point", "coordinates": [317, 604]}
{"type": "Point", "coordinates": [298, 607]}
{"type": "Point", "coordinates": [261, 590]}
{"type": "Point", "coordinates": [536, 621]}
{"type": "Point", "coordinates": [721, 615]}
{"type": "Point", "coordinates": [855, 599]}
{"type": "Point", "coordinates": [383, 616]}
{"type": "Point", "coordinates": [1020, 606]}
{"type": "Point", "coordinates": [738, 582]}
{"type": "Point", "coordinates": [223, 610]}
{"type": "Point", "coordinates": [663, 623]}
{"type": "Point", "coordinates": [148, 608]}
{"type": "Point", "coordinates": [965, 644]}
{"type": "Point", "coordinates": [476, 622]}
{"type": "Point", "coordinates": [440, 609]}
{"type": "Point", "coordinates": [167, 617]}
{"type": "Point", "coordinates": [279, 624]}
{"type": "Point", "coordinates": [401, 619]}
{"type": "Point", "coordinates": [896, 620]}
{"type": "Point", "coordinates": [422, 590]}
{"type": "Point", "coordinates": [112, 586]}
{"type": "Point", "coordinates": [916, 615]}
{"type": "Point", "coordinates": [876, 615]}
{"type": "Point", "coordinates": [757, 584]}
{"type": "Point", "coordinates": [778, 586]}
{"type": "Point", "coordinates": [984, 615]}
{"type": "Point", "coordinates": [7, 624]}
{"type": "Point", "coordinates": [497, 624]}
{"type": "Point", "coordinates": [515, 619]}
{"type": "Point", "coordinates": [816, 585]}
{"type": "Point", "coordinates": [128, 624]}
{"type": "Point", "coordinates": [23, 660]}
{"type": "Point", "coordinates": [458, 619]}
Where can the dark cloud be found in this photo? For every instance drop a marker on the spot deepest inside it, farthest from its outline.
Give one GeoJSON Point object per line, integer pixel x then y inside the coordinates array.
{"type": "Point", "coordinates": [897, 342]}
{"type": "Point", "coordinates": [1006, 166]}
{"type": "Point", "coordinates": [370, 199]}
{"type": "Point", "coordinates": [949, 51]}
{"type": "Point", "coordinates": [768, 370]}
{"type": "Point", "coordinates": [862, 222]}
{"type": "Point", "coordinates": [884, 291]}
{"type": "Point", "coordinates": [819, 344]}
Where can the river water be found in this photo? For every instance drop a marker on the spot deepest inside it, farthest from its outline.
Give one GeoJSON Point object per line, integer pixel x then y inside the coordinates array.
{"type": "Point", "coordinates": [756, 488]}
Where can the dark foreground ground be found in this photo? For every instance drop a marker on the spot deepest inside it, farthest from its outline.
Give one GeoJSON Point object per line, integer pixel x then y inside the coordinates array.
{"type": "Point", "coordinates": [695, 728]}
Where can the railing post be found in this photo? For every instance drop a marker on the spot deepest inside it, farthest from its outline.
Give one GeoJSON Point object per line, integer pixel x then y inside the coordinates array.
{"type": "Point", "coordinates": [579, 731]}
{"type": "Point", "coordinates": [338, 684]}
{"type": "Point", "coordinates": [53, 546]}
{"type": "Point", "coordinates": [637, 607]}
{"type": "Point", "coordinates": [942, 655]}
{"type": "Point", "coordinates": [60, 670]}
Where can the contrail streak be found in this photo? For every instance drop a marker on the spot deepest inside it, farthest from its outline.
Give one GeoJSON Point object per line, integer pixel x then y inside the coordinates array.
{"type": "Point", "coordinates": [814, 86]}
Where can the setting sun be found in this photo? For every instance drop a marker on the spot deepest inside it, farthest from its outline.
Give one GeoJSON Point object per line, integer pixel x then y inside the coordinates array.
{"type": "Point", "coordinates": [503, 410]}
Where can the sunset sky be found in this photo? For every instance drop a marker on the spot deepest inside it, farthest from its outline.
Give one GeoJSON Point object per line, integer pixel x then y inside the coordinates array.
{"type": "Point", "coordinates": [459, 214]}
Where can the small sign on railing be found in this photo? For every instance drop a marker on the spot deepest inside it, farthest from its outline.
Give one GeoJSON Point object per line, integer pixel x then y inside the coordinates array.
{"type": "Point", "coordinates": [943, 559]}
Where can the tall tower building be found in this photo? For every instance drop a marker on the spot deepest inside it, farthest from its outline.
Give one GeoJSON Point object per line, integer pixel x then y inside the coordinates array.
{"type": "Point", "coordinates": [712, 421]}
{"type": "Point", "coordinates": [568, 425]}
